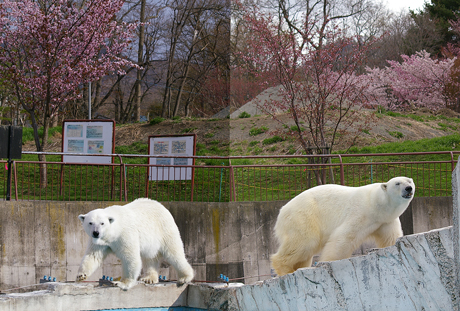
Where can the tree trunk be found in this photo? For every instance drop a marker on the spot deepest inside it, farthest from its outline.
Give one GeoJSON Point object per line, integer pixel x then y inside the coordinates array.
{"type": "Point", "coordinates": [140, 56]}
{"type": "Point", "coordinates": [42, 158]}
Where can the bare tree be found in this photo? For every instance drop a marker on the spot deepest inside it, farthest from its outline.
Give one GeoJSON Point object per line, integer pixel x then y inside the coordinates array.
{"type": "Point", "coordinates": [196, 46]}
{"type": "Point", "coordinates": [126, 92]}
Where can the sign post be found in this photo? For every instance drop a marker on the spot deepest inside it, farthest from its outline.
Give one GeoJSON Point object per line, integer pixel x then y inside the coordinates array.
{"type": "Point", "coordinates": [10, 148]}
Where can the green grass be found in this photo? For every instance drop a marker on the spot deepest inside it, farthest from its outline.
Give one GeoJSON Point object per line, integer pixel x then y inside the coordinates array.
{"type": "Point", "coordinates": [28, 133]}
{"type": "Point", "coordinates": [444, 143]}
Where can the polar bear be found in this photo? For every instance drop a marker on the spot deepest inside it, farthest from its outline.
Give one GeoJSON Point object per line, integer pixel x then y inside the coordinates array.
{"type": "Point", "coordinates": [140, 234]}
{"type": "Point", "coordinates": [334, 220]}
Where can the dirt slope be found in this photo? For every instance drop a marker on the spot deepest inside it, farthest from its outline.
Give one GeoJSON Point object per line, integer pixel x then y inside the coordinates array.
{"type": "Point", "coordinates": [218, 133]}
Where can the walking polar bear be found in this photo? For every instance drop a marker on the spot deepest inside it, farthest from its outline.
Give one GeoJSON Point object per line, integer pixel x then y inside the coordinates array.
{"type": "Point", "coordinates": [140, 234]}
{"type": "Point", "coordinates": [334, 220]}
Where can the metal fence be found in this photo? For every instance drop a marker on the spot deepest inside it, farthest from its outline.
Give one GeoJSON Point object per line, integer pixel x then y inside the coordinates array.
{"type": "Point", "coordinates": [221, 179]}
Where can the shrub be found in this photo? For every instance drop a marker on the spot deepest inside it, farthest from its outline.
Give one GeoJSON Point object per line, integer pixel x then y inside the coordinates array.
{"type": "Point", "coordinates": [156, 120]}
{"type": "Point", "coordinates": [244, 114]}
{"type": "Point", "coordinates": [272, 140]}
{"type": "Point", "coordinates": [257, 130]}
{"type": "Point", "coordinates": [396, 134]}
{"type": "Point", "coordinates": [294, 128]}
{"type": "Point", "coordinates": [188, 130]}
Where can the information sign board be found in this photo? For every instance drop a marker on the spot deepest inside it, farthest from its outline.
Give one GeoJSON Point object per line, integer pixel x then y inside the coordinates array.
{"type": "Point", "coordinates": [168, 147]}
{"type": "Point", "coordinates": [89, 137]}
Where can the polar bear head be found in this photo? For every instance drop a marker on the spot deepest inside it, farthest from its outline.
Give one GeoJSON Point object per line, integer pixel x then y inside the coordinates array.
{"type": "Point", "coordinates": [97, 225]}
{"type": "Point", "coordinates": [400, 188]}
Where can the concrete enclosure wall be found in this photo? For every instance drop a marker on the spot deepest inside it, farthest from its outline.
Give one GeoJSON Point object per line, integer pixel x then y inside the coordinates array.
{"type": "Point", "coordinates": [46, 238]}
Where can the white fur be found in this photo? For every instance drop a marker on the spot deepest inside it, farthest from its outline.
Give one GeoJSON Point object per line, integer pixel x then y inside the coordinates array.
{"type": "Point", "coordinates": [141, 234]}
{"type": "Point", "coordinates": [334, 220]}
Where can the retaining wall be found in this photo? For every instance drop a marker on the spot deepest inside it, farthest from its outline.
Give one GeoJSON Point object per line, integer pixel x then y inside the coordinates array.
{"type": "Point", "coordinates": [420, 272]}
{"type": "Point", "coordinates": [236, 239]}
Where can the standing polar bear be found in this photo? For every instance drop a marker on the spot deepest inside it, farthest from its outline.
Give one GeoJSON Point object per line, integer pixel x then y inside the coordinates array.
{"type": "Point", "coordinates": [334, 220]}
{"type": "Point", "coordinates": [140, 234]}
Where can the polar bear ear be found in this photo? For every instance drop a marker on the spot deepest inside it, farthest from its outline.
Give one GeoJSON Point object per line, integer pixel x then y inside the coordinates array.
{"type": "Point", "coordinates": [82, 218]}
{"type": "Point", "coordinates": [111, 220]}
{"type": "Point", "coordinates": [384, 187]}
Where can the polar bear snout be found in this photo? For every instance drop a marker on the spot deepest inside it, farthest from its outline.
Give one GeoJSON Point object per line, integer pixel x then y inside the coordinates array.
{"type": "Point", "coordinates": [408, 192]}
{"type": "Point", "coordinates": [95, 234]}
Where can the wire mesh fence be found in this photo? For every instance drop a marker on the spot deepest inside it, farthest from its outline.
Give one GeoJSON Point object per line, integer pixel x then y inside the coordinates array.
{"type": "Point", "coordinates": [276, 179]}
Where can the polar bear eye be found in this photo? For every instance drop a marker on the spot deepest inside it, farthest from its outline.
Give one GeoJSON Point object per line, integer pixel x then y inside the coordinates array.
{"type": "Point", "coordinates": [90, 223]}
{"type": "Point", "coordinates": [102, 223]}
{"type": "Point", "coordinates": [397, 184]}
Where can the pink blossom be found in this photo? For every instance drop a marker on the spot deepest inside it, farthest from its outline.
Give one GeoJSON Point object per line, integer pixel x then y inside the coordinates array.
{"type": "Point", "coordinates": [50, 48]}
{"type": "Point", "coordinates": [47, 54]}
{"type": "Point", "coordinates": [419, 80]}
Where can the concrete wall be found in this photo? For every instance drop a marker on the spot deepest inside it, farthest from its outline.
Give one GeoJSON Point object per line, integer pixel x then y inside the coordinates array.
{"type": "Point", "coordinates": [235, 239]}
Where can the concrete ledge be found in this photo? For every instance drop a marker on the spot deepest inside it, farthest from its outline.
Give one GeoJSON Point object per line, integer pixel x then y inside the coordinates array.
{"type": "Point", "coordinates": [418, 273]}
{"type": "Point", "coordinates": [84, 296]}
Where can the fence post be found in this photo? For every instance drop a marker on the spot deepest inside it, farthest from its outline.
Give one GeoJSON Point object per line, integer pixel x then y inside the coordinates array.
{"type": "Point", "coordinates": [15, 180]}
{"type": "Point", "coordinates": [232, 182]}
{"type": "Point", "coordinates": [342, 174]}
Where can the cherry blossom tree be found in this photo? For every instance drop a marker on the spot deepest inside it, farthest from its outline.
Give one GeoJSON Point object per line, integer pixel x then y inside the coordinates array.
{"type": "Point", "coordinates": [50, 47]}
{"type": "Point", "coordinates": [419, 81]}
{"type": "Point", "coordinates": [316, 66]}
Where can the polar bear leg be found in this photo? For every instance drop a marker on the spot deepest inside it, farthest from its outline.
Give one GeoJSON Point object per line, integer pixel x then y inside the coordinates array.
{"type": "Point", "coordinates": [175, 256]}
{"type": "Point", "coordinates": [131, 263]}
{"type": "Point", "coordinates": [304, 264]}
{"type": "Point", "coordinates": [387, 234]}
{"type": "Point", "coordinates": [151, 267]}
{"type": "Point", "coordinates": [342, 242]}
{"type": "Point", "coordinates": [93, 258]}
{"type": "Point", "coordinates": [288, 259]}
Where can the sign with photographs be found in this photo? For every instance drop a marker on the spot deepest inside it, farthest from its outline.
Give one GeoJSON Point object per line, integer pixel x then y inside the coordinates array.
{"type": "Point", "coordinates": [168, 147]}
{"type": "Point", "coordinates": [88, 137]}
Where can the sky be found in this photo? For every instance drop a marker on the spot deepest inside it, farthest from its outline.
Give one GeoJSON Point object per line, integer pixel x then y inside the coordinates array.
{"type": "Point", "coordinates": [397, 5]}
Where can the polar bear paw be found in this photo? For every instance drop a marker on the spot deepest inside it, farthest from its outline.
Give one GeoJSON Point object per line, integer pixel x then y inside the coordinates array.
{"type": "Point", "coordinates": [81, 277]}
{"type": "Point", "coordinates": [125, 284]}
{"type": "Point", "coordinates": [185, 279]}
{"type": "Point", "coordinates": [150, 279]}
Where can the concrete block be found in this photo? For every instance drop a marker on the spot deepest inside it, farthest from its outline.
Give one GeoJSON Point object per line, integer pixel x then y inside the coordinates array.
{"type": "Point", "coordinates": [42, 235]}
{"type": "Point", "coordinates": [83, 296]}
{"type": "Point", "coordinates": [200, 271]}
{"type": "Point", "coordinates": [431, 213]}
{"type": "Point", "coordinates": [415, 274]}
{"type": "Point", "coordinates": [18, 234]}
